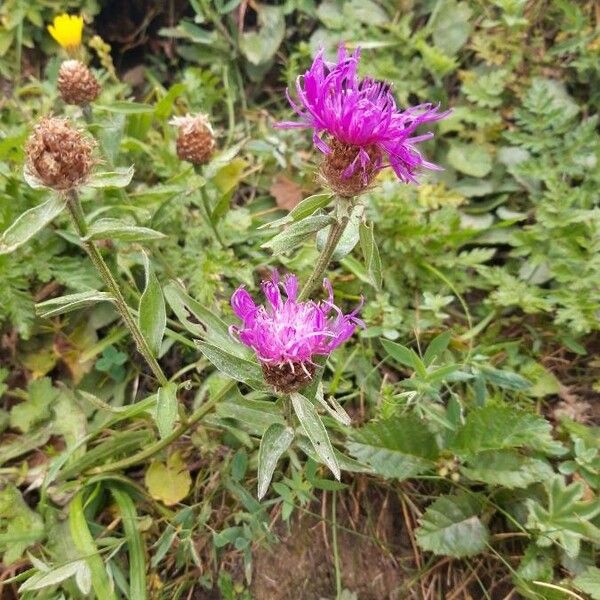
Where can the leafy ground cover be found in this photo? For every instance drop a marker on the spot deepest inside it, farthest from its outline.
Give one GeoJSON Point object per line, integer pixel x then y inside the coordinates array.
{"type": "Point", "coordinates": [463, 418]}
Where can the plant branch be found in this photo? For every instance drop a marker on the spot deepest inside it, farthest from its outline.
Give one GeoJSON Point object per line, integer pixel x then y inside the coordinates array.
{"type": "Point", "coordinates": [78, 219]}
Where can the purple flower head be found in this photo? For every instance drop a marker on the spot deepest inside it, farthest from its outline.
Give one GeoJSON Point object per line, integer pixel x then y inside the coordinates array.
{"type": "Point", "coordinates": [286, 333]}
{"type": "Point", "coordinates": [357, 124]}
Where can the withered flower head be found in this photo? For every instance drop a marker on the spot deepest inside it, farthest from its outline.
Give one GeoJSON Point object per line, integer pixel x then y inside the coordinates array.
{"type": "Point", "coordinates": [196, 138]}
{"type": "Point", "coordinates": [76, 83]}
{"type": "Point", "coordinates": [58, 155]}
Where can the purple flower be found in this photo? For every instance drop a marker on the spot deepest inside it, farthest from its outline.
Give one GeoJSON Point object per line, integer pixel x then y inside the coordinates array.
{"type": "Point", "coordinates": [286, 334]}
{"type": "Point", "coordinates": [357, 124]}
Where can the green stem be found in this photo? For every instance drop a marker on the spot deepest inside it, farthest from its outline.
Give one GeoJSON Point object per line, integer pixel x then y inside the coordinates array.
{"type": "Point", "coordinates": [78, 218]}
{"type": "Point", "coordinates": [335, 233]}
{"type": "Point", "coordinates": [161, 444]}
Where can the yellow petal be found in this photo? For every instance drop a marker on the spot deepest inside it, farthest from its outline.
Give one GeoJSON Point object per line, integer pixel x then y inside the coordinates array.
{"type": "Point", "coordinates": [67, 30]}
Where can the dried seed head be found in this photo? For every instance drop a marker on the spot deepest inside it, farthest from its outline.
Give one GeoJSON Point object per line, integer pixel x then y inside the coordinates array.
{"type": "Point", "coordinates": [196, 139]}
{"type": "Point", "coordinates": [288, 377]}
{"type": "Point", "coordinates": [338, 173]}
{"type": "Point", "coordinates": [76, 83]}
{"type": "Point", "coordinates": [58, 155]}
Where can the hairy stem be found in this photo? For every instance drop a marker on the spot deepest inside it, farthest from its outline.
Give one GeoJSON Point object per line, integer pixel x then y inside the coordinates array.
{"type": "Point", "coordinates": [336, 231]}
{"type": "Point", "coordinates": [78, 218]}
{"type": "Point", "coordinates": [196, 416]}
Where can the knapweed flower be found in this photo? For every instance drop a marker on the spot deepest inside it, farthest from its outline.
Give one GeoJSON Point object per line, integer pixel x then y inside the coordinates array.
{"type": "Point", "coordinates": [76, 83]}
{"type": "Point", "coordinates": [287, 334]}
{"type": "Point", "coordinates": [357, 125]}
{"type": "Point", "coordinates": [195, 138]}
{"type": "Point", "coordinates": [67, 31]}
{"type": "Point", "coordinates": [58, 155]}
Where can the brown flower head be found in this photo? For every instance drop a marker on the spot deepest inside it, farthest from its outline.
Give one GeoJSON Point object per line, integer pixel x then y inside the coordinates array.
{"type": "Point", "coordinates": [58, 155]}
{"type": "Point", "coordinates": [336, 164]}
{"type": "Point", "coordinates": [76, 83]}
{"type": "Point", "coordinates": [288, 377]}
{"type": "Point", "coordinates": [196, 138]}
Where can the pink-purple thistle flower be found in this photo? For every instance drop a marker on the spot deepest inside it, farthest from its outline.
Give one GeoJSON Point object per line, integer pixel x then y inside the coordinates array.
{"type": "Point", "coordinates": [287, 334]}
{"type": "Point", "coordinates": [357, 124]}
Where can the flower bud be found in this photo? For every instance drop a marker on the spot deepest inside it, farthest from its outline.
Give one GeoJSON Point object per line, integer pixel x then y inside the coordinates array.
{"type": "Point", "coordinates": [58, 155]}
{"type": "Point", "coordinates": [340, 168]}
{"type": "Point", "coordinates": [288, 377]}
{"type": "Point", "coordinates": [76, 83]}
{"type": "Point", "coordinates": [196, 138]}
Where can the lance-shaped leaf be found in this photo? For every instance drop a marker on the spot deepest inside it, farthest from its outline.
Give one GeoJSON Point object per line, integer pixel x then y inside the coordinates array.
{"type": "Point", "coordinates": [152, 315]}
{"type": "Point", "coordinates": [65, 304]}
{"type": "Point", "coordinates": [275, 441]}
{"type": "Point", "coordinates": [119, 178]}
{"type": "Point", "coordinates": [115, 229]}
{"type": "Point", "coordinates": [237, 368]}
{"type": "Point", "coordinates": [29, 223]}
{"type": "Point", "coordinates": [166, 409]}
{"type": "Point", "coordinates": [316, 432]}
{"type": "Point", "coordinates": [296, 233]}
{"type": "Point", "coordinates": [371, 255]}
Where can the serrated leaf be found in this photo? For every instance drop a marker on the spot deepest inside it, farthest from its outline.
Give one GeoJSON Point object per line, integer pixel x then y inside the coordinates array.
{"type": "Point", "coordinates": [567, 519]}
{"type": "Point", "coordinates": [170, 483]}
{"type": "Point", "coordinates": [589, 582]}
{"type": "Point", "coordinates": [296, 233]}
{"type": "Point", "coordinates": [275, 441]}
{"type": "Point", "coordinates": [71, 302]}
{"type": "Point", "coordinates": [152, 315]}
{"type": "Point", "coordinates": [495, 427]}
{"type": "Point", "coordinates": [166, 409]}
{"type": "Point", "coordinates": [115, 229]}
{"type": "Point", "coordinates": [506, 468]}
{"type": "Point", "coordinates": [238, 368]}
{"type": "Point", "coordinates": [316, 432]}
{"type": "Point", "coordinates": [119, 178]}
{"type": "Point", "coordinates": [29, 223]}
{"type": "Point", "coordinates": [451, 526]}
{"type": "Point", "coordinates": [400, 447]}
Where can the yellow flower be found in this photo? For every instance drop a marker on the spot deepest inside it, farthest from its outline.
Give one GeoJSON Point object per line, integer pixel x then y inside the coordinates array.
{"type": "Point", "coordinates": [67, 30]}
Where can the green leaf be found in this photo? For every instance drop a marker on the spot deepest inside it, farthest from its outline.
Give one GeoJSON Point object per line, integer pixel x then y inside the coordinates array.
{"type": "Point", "coordinates": [371, 255]}
{"type": "Point", "coordinates": [135, 544]}
{"type": "Point", "coordinates": [36, 408]}
{"type": "Point", "coordinates": [260, 46]}
{"type": "Point", "coordinates": [494, 427]}
{"type": "Point", "coordinates": [405, 356]}
{"type": "Point", "coordinates": [399, 447]}
{"type": "Point", "coordinates": [303, 209]}
{"type": "Point", "coordinates": [589, 582]}
{"type": "Point", "coordinates": [119, 178]}
{"type": "Point", "coordinates": [316, 432]}
{"type": "Point", "coordinates": [52, 577]}
{"type": "Point", "coordinates": [471, 159]}
{"type": "Point", "coordinates": [254, 415]}
{"type": "Point", "coordinates": [296, 233]}
{"type": "Point", "coordinates": [451, 526]}
{"type": "Point", "coordinates": [199, 320]}
{"type": "Point", "coordinates": [85, 544]}
{"type": "Point", "coordinates": [71, 302]}
{"type": "Point", "coordinates": [451, 27]}
{"type": "Point", "coordinates": [275, 441]}
{"type": "Point", "coordinates": [567, 520]}
{"type": "Point", "coordinates": [437, 347]}
{"type": "Point", "coordinates": [504, 379]}
{"type": "Point", "coordinates": [171, 482]}
{"type": "Point", "coordinates": [166, 409]}
{"type": "Point", "coordinates": [238, 368]}
{"type": "Point", "coordinates": [506, 468]}
{"type": "Point", "coordinates": [125, 108]}
{"type": "Point", "coordinates": [29, 223]}
{"type": "Point", "coordinates": [20, 527]}
{"type": "Point", "coordinates": [152, 315]}
{"type": "Point", "coordinates": [115, 229]}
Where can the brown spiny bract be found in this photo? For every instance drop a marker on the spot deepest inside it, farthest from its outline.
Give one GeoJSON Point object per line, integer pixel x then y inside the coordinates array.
{"type": "Point", "coordinates": [334, 165]}
{"type": "Point", "coordinates": [288, 377]}
{"type": "Point", "coordinates": [58, 155]}
{"type": "Point", "coordinates": [195, 139]}
{"type": "Point", "coordinates": [76, 83]}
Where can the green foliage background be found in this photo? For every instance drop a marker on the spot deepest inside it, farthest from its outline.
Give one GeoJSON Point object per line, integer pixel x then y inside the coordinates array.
{"type": "Point", "coordinates": [477, 374]}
